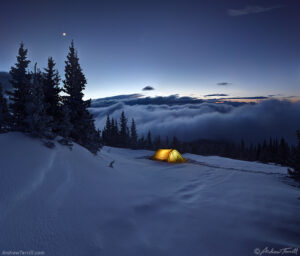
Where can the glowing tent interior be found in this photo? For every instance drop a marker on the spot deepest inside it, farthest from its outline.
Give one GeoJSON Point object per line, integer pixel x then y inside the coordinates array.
{"type": "Point", "coordinates": [169, 155]}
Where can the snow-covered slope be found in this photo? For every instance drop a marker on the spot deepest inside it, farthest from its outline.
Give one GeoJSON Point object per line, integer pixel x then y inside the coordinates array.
{"type": "Point", "coordinates": [67, 202]}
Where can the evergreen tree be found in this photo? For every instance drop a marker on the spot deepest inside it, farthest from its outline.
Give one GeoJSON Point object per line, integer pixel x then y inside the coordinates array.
{"type": "Point", "coordinates": [83, 128]}
{"type": "Point", "coordinates": [270, 143]}
{"type": "Point", "coordinates": [93, 138]}
{"type": "Point", "coordinates": [149, 140]}
{"type": "Point", "coordinates": [297, 155]}
{"type": "Point", "coordinates": [142, 142]}
{"type": "Point", "coordinates": [242, 149]}
{"type": "Point", "coordinates": [21, 90]}
{"type": "Point", "coordinates": [295, 159]}
{"type": "Point", "coordinates": [263, 156]}
{"type": "Point", "coordinates": [51, 96]}
{"type": "Point", "coordinates": [123, 130]}
{"type": "Point", "coordinates": [106, 133]}
{"type": "Point", "coordinates": [273, 148]}
{"type": "Point", "coordinates": [157, 142]}
{"type": "Point", "coordinates": [167, 142]}
{"type": "Point", "coordinates": [36, 117]}
{"type": "Point", "coordinates": [114, 133]}
{"type": "Point", "coordinates": [298, 152]}
{"type": "Point", "coordinates": [65, 124]}
{"type": "Point", "coordinates": [283, 152]}
{"type": "Point", "coordinates": [175, 143]}
{"type": "Point", "coordinates": [4, 113]}
{"type": "Point", "coordinates": [133, 134]}
{"type": "Point", "coordinates": [251, 153]}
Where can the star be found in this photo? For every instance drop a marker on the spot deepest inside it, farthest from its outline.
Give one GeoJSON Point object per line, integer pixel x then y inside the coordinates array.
{"type": "Point", "coordinates": [64, 34]}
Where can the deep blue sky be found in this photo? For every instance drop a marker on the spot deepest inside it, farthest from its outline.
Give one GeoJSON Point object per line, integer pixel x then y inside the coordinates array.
{"type": "Point", "coordinates": [178, 47]}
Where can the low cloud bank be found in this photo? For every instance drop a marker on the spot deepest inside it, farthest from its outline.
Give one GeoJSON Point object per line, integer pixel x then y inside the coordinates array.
{"type": "Point", "coordinates": [216, 95]}
{"type": "Point", "coordinates": [148, 88]}
{"type": "Point", "coordinates": [204, 120]}
{"type": "Point", "coordinates": [223, 83]}
{"type": "Point", "coordinates": [252, 10]}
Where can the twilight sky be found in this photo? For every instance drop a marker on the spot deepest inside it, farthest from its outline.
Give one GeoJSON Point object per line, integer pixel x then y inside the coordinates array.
{"type": "Point", "coordinates": [194, 48]}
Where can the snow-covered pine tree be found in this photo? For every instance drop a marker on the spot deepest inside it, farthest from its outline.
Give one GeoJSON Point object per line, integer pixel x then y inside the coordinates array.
{"type": "Point", "coordinates": [51, 96]}
{"type": "Point", "coordinates": [36, 118]}
{"type": "Point", "coordinates": [4, 113]}
{"type": "Point", "coordinates": [83, 129]}
{"type": "Point", "coordinates": [133, 134]}
{"type": "Point", "coordinates": [19, 95]}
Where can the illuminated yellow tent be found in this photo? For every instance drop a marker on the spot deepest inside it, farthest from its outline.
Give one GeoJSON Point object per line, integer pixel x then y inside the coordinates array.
{"type": "Point", "coordinates": [169, 155]}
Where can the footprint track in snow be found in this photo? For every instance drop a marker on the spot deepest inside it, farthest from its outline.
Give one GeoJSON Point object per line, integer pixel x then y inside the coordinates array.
{"type": "Point", "coordinates": [189, 192]}
{"type": "Point", "coordinates": [190, 186]}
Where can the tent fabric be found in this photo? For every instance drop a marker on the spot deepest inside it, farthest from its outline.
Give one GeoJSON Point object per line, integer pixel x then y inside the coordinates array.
{"type": "Point", "coordinates": [169, 155]}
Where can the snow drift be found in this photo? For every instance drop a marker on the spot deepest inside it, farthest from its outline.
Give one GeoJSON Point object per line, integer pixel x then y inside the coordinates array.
{"type": "Point", "coordinates": [67, 202]}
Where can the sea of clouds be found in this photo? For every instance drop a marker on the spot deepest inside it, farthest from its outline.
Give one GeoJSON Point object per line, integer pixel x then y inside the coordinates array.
{"type": "Point", "coordinates": [190, 119]}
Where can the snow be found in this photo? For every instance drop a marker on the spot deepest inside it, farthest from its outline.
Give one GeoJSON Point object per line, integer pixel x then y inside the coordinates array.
{"type": "Point", "coordinates": [70, 202]}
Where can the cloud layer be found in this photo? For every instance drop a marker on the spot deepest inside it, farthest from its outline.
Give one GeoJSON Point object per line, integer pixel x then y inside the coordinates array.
{"type": "Point", "coordinates": [216, 95]}
{"type": "Point", "coordinates": [204, 120]}
{"type": "Point", "coordinates": [251, 10]}
{"type": "Point", "coordinates": [148, 88]}
{"type": "Point", "coordinates": [223, 83]}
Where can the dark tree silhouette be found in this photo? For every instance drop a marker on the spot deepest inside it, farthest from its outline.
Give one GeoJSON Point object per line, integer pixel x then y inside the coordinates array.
{"type": "Point", "coordinates": [83, 128]}
{"type": "Point", "coordinates": [295, 159]}
{"type": "Point", "coordinates": [65, 124]}
{"type": "Point", "coordinates": [167, 142]}
{"type": "Point", "coordinates": [106, 133]}
{"type": "Point", "coordinates": [157, 142]}
{"type": "Point", "coordinates": [123, 130]}
{"type": "Point", "coordinates": [149, 140]}
{"type": "Point", "coordinates": [142, 142]}
{"type": "Point", "coordinates": [37, 118]}
{"type": "Point", "coordinates": [133, 134]}
{"type": "Point", "coordinates": [175, 143]}
{"type": "Point", "coordinates": [115, 134]}
{"type": "Point", "coordinates": [4, 113]}
{"type": "Point", "coordinates": [19, 96]}
{"type": "Point", "coordinates": [52, 98]}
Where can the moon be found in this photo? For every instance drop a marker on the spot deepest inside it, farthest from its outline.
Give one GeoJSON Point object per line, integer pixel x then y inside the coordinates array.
{"type": "Point", "coordinates": [64, 34]}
